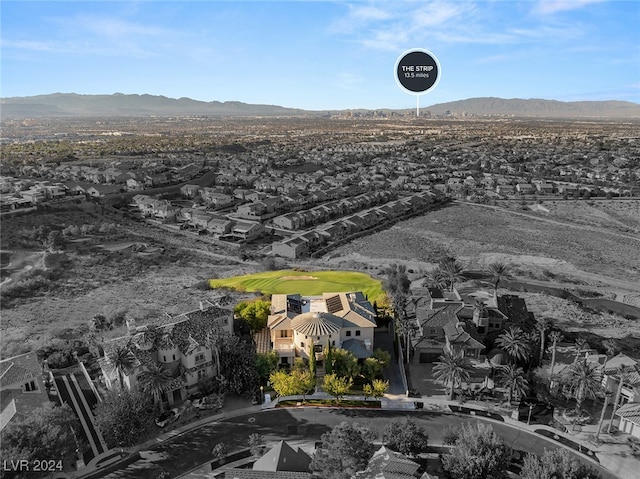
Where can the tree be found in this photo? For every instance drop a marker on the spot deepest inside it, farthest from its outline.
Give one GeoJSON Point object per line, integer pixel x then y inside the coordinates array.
{"type": "Point", "coordinates": [345, 450]}
{"type": "Point", "coordinates": [214, 339]}
{"type": "Point", "coordinates": [542, 326]}
{"type": "Point", "coordinates": [238, 362]}
{"type": "Point", "coordinates": [581, 343]}
{"type": "Point", "coordinates": [607, 396]}
{"type": "Point", "coordinates": [623, 371]}
{"type": "Point", "coordinates": [122, 361]}
{"type": "Point", "coordinates": [266, 363]}
{"type": "Point", "coordinates": [514, 342]}
{"type": "Point", "coordinates": [556, 464]}
{"type": "Point", "coordinates": [255, 313]}
{"type": "Point", "coordinates": [555, 337]}
{"type": "Point", "coordinates": [297, 382]}
{"type": "Point", "coordinates": [154, 382]}
{"type": "Point", "coordinates": [397, 286]}
{"type": "Point", "coordinates": [452, 369]}
{"type": "Point", "coordinates": [55, 241]}
{"type": "Point", "coordinates": [256, 444]}
{"type": "Point", "coordinates": [337, 386]}
{"type": "Point", "coordinates": [584, 380]}
{"type": "Point", "coordinates": [328, 363]}
{"type": "Point", "coordinates": [512, 377]}
{"type": "Point", "coordinates": [452, 271]}
{"type": "Point", "coordinates": [405, 437]}
{"type": "Point", "coordinates": [478, 453]}
{"type": "Point", "coordinates": [312, 358]}
{"type": "Point", "coordinates": [124, 417]}
{"type": "Point", "coordinates": [611, 347]}
{"type": "Point", "coordinates": [345, 363]}
{"type": "Point", "coordinates": [48, 433]}
{"type": "Point", "coordinates": [371, 368]}
{"type": "Point", "coordinates": [376, 389]}
{"type": "Point", "coordinates": [498, 272]}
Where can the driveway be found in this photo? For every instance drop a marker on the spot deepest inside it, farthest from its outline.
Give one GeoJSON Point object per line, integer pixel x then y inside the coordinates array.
{"type": "Point", "coordinates": [384, 340]}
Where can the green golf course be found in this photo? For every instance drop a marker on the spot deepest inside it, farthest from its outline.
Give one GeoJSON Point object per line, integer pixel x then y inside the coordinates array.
{"type": "Point", "coordinates": [306, 283]}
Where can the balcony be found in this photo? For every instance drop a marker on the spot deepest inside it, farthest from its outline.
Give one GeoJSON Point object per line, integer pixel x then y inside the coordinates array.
{"type": "Point", "coordinates": [284, 347]}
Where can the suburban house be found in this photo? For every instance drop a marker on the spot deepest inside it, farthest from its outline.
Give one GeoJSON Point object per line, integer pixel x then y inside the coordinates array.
{"type": "Point", "coordinates": [22, 387]}
{"type": "Point", "coordinates": [445, 321]}
{"type": "Point", "coordinates": [280, 462]}
{"type": "Point", "coordinates": [181, 344]}
{"type": "Point", "coordinates": [611, 377]}
{"type": "Point", "coordinates": [342, 320]}
{"type": "Point", "coordinates": [388, 464]}
{"type": "Point", "coordinates": [629, 415]}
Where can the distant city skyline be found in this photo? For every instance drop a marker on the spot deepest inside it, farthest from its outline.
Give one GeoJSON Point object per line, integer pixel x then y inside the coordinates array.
{"type": "Point", "coordinates": [320, 55]}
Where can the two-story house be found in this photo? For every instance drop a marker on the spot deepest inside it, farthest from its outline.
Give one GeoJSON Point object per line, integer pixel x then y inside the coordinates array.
{"type": "Point", "coordinates": [342, 320]}
{"type": "Point", "coordinates": [182, 344]}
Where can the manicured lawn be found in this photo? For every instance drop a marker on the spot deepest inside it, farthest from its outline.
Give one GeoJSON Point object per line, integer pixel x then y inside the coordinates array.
{"type": "Point", "coordinates": [307, 283]}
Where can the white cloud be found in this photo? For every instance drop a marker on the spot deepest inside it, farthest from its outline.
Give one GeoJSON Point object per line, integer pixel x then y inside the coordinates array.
{"type": "Point", "coordinates": [549, 7]}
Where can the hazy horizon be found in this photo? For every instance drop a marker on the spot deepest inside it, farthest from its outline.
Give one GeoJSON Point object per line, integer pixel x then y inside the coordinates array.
{"type": "Point", "coordinates": [322, 55]}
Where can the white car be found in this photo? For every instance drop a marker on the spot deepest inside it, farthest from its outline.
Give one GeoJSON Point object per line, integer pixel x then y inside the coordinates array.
{"type": "Point", "coordinates": [168, 417]}
{"type": "Point", "coordinates": [209, 402]}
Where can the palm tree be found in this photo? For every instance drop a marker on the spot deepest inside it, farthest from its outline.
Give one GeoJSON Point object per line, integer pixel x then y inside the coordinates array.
{"type": "Point", "coordinates": [612, 347]}
{"type": "Point", "coordinates": [623, 371]}
{"type": "Point", "coordinates": [452, 369]}
{"type": "Point", "coordinates": [555, 337]}
{"type": "Point", "coordinates": [155, 381]}
{"type": "Point", "coordinates": [580, 343]}
{"type": "Point", "coordinates": [513, 379]}
{"type": "Point", "coordinates": [436, 278]}
{"type": "Point", "coordinates": [498, 272]}
{"type": "Point", "coordinates": [122, 360]}
{"type": "Point", "coordinates": [543, 325]}
{"type": "Point", "coordinates": [516, 344]}
{"type": "Point", "coordinates": [607, 397]}
{"type": "Point", "coordinates": [584, 380]}
{"type": "Point", "coordinates": [213, 338]}
{"type": "Point", "coordinates": [452, 270]}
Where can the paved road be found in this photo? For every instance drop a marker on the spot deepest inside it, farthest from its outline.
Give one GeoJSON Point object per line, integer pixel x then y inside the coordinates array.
{"type": "Point", "coordinates": [191, 449]}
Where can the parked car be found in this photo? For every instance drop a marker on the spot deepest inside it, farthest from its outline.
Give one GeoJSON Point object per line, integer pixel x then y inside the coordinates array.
{"type": "Point", "coordinates": [167, 417]}
{"type": "Point", "coordinates": [210, 402]}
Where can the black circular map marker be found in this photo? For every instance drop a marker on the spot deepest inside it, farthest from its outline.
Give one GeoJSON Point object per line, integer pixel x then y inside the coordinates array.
{"type": "Point", "coordinates": [417, 71]}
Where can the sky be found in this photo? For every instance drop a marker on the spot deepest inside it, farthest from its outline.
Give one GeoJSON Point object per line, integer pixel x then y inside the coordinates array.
{"type": "Point", "coordinates": [321, 55]}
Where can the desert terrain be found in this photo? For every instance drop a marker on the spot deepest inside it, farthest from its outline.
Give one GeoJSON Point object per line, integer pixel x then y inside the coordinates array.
{"type": "Point", "coordinates": [102, 274]}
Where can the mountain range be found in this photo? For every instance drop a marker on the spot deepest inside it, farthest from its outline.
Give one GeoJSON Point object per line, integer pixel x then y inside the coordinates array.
{"type": "Point", "coordinates": [119, 104]}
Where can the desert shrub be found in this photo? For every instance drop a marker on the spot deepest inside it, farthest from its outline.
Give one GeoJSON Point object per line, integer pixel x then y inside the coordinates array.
{"type": "Point", "coordinates": [118, 318]}
{"type": "Point", "coordinates": [59, 353]}
{"type": "Point", "coordinates": [268, 264]}
{"type": "Point", "coordinates": [32, 283]}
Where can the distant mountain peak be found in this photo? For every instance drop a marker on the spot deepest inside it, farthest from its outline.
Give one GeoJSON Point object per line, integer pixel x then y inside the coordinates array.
{"type": "Point", "coordinates": [124, 104]}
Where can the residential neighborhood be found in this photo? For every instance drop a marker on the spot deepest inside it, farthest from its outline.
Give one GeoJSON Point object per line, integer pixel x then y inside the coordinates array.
{"type": "Point", "coordinates": [178, 357]}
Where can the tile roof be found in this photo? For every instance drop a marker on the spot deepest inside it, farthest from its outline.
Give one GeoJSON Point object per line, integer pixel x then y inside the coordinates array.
{"type": "Point", "coordinates": [357, 347]}
{"type": "Point", "coordinates": [316, 324]}
{"type": "Point", "coordinates": [388, 464]}
{"type": "Point", "coordinates": [19, 369]}
{"type": "Point", "coordinates": [631, 412]}
{"type": "Point", "coordinates": [283, 457]}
